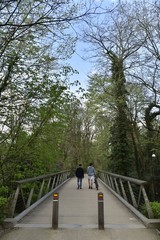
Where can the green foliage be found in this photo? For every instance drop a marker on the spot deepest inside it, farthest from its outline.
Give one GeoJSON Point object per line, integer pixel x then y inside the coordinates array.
{"type": "Point", "coordinates": [3, 191]}
{"type": "Point", "coordinates": [3, 210]}
{"type": "Point", "coordinates": [120, 158]}
{"type": "Point", "coordinates": [3, 202]}
{"type": "Point", "coordinates": [36, 107]}
{"type": "Point", "coordinates": [155, 208]}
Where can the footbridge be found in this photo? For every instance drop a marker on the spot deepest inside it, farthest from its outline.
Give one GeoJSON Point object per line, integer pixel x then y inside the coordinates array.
{"type": "Point", "coordinates": [31, 209]}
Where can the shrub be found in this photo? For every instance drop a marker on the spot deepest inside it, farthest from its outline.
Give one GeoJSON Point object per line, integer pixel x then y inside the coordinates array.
{"type": "Point", "coordinates": [3, 202]}
{"type": "Point", "coordinates": [3, 191]}
{"type": "Point", "coordinates": [155, 208]}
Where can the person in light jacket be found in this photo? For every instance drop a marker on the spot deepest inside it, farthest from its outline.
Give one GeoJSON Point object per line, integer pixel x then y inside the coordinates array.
{"type": "Point", "coordinates": [91, 174]}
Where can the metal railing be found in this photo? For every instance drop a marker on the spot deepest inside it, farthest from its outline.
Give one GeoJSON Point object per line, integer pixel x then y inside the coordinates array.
{"type": "Point", "coordinates": [31, 190]}
{"type": "Point", "coordinates": [131, 190]}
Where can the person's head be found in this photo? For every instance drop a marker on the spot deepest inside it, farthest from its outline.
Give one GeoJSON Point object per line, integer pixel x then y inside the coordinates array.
{"type": "Point", "coordinates": [91, 164]}
{"type": "Point", "coordinates": [80, 165]}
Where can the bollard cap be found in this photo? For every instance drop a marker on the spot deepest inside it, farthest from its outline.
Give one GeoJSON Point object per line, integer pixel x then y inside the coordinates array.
{"type": "Point", "coordinates": [55, 196]}
{"type": "Point", "coordinates": [100, 196]}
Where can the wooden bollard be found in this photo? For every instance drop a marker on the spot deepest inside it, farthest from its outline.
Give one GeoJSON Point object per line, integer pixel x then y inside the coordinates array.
{"type": "Point", "coordinates": [55, 210]}
{"type": "Point", "coordinates": [100, 211]}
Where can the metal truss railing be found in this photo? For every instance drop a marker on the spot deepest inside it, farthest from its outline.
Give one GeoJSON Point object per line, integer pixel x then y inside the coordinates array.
{"type": "Point", "coordinates": [29, 191]}
{"type": "Point", "coordinates": [131, 190]}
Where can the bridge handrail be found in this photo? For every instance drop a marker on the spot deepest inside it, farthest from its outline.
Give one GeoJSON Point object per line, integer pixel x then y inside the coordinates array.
{"type": "Point", "coordinates": [133, 180]}
{"type": "Point", "coordinates": [31, 190]}
{"type": "Point", "coordinates": [127, 189]}
{"type": "Point", "coordinates": [38, 178]}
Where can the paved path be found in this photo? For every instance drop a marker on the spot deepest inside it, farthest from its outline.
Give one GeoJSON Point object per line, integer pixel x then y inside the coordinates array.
{"type": "Point", "coordinates": [78, 219]}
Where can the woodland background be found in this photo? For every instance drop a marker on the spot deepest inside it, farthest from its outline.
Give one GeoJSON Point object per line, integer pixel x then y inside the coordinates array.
{"type": "Point", "coordinates": [115, 123]}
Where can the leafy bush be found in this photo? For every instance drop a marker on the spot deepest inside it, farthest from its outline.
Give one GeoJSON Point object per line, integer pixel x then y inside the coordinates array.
{"type": "Point", "coordinates": [3, 191]}
{"type": "Point", "coordinates": [155, 208]}
{"type": "Point", "coordinates": [3, 202]}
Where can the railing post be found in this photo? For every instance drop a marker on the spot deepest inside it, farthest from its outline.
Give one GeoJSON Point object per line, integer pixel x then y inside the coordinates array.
{"type": "Point", "coordinates": [53, 182]}
{"type": "Point", "coordinates": [14, 202]}
{"type": "Point", "coordinates": [116, 185]}
{"type": "Point", "coordinates": [41, 190]}
{"type": "Point", "coordinates": [149, 209]}
{"type": "Point", "coordinates": [123, 190]}
{"type": "Point", "coordinates": [100, 211]}
{"type": "Point", "coordinates": [132, 196]}
{"type": "Point", "coordinates": [30, 197]}
{"type": "Point", "coordinates": [55, 210]}
{"type": "Point", "coordinates": [48, 185]}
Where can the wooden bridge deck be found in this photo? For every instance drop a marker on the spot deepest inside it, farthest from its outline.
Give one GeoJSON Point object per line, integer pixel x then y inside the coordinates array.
{"type": "Point", "coordinates": [78, 210]}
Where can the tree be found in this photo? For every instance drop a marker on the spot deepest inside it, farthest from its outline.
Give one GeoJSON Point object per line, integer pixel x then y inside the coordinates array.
{"type": "Point", "coordinates": [101, 112]}
{"type": "Point", "coordinates": [125, 45]}
{"type": "Point", "coordinates": [148, 77]}
{"type": "Point", "coordinates": [35, 38]}
{"type": "Point", "coordinates": [113, 43]}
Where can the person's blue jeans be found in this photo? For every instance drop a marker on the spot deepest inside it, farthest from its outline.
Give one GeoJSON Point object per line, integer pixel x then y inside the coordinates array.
{"type": "Point", "coordinates": [79, 182]}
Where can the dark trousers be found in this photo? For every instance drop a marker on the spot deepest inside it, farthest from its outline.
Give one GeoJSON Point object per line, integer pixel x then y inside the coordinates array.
{"type": "Point", "coordinates": [79, 182]}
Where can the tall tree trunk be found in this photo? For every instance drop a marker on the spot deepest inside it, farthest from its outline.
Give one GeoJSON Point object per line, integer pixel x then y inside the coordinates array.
{"type": "Point", "coordinates": [120, 155]}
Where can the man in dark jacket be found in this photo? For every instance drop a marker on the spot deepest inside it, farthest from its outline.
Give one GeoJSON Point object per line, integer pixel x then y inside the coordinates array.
{"type": "Point", "coordinates": [80, 176]}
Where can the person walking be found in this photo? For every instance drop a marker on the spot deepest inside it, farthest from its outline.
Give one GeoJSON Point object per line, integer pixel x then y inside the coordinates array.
{"type": "Point", "coordinates": [80, 176]}
{"type": "Point", "coordinates": [91, 173]}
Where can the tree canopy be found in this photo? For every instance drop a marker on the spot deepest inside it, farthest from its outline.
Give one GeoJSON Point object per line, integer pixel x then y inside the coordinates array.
{"type": "Point", "coordinates": [45, 127]}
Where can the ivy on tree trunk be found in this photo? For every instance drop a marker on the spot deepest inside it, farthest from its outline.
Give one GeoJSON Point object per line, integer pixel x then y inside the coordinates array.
{"type": "Point", "coordinates": [120, 161]}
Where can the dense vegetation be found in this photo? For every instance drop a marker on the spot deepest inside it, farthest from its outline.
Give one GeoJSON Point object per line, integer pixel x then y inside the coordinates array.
{"type": "Point", "coordinates": [44, 127]}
